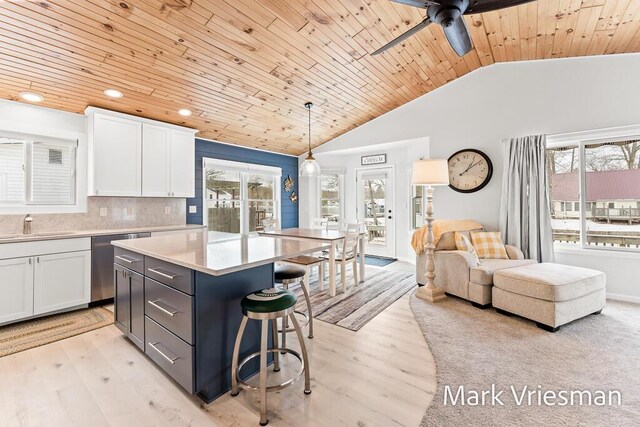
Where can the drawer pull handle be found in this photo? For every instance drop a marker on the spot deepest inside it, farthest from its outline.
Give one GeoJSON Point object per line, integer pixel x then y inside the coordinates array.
{"type": "Point", "coordinates": [126, 259]}
{"type": "Point", "coordinates": [159, 307]}
{"type": "Point", "coordinates": [158, 272]}
{"type": "Point", "coordinates": [170, 360]}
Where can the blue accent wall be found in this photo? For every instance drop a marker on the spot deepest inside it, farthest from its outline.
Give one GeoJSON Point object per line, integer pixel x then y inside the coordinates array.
{"type": "Point", "coordinates": [214, 150]}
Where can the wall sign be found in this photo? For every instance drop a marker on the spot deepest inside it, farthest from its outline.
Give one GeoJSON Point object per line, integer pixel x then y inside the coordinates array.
{"type": "Point", "coordinates": [375, 159]}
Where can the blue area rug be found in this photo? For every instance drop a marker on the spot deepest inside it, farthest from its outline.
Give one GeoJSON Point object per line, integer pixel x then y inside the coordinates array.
{"type": "Point", "coordinates": [378, 261]}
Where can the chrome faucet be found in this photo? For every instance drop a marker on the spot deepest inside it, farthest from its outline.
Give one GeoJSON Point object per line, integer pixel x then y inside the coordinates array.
{"type": "Point", "coordinates": [26, 226]}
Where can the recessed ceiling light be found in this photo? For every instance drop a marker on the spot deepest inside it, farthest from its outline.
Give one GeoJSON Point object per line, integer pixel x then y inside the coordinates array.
{"type": "Point", "coordinates": [113, 93]}
{"type": "Point", "coordinates": [184, 112]}
{"type": "Point", "coordinates": [31, 97]}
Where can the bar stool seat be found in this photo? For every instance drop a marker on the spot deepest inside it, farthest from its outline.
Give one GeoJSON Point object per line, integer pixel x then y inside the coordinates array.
{"type": "Point", "coordinates": [268, 305]}
{"type": "Point", "coordinates": [288, 275]}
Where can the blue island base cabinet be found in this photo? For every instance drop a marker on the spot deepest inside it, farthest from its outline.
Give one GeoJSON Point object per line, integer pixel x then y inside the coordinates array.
{"type": "Point", "coordinates": [217, 320]}
{"type": "Point", "coordinates": [191, 320]}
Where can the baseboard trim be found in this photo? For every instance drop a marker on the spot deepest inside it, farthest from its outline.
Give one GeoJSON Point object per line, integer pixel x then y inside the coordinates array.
{"type": "Point", "coordinates": [625, 298]}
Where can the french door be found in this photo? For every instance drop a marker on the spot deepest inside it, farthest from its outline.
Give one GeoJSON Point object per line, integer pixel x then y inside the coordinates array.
{"type": "Point", "coordinates": [375, 209]}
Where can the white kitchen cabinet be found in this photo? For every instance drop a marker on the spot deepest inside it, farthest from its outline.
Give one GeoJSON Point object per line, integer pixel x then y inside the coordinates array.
{"type": "Point", "coordinates": [16, 289]}
{"type": "Point", "coordinates": [156, 168]}
{"type": "Point", "coordinates": [133, 156]}
{"type": "Point", "coordinates": [115, 155]}
{"type": "Point", "coordinates": [43, 276]}
{"type": "Point", "coordinates": [183, 163]}
{"type": "Point", "coordinates": [61, 281]}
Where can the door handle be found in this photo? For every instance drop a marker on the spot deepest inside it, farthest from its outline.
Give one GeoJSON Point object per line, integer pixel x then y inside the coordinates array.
{"type": "Point", "coordinates": [169, 359]}
{"type": "Point", "coordinates": [159, 307]}
{"type": "Point", "coordinates": [389, 217]}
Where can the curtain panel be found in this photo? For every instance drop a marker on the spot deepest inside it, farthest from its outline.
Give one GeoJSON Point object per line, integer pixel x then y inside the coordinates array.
{"type": "Point", "coordinates": [525, 217]}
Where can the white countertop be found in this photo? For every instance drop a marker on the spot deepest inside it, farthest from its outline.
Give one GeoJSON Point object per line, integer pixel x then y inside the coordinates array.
{"type": "Point", "coordinates": [54, 235]}
{"type": "Point", "coordinates": [217, 254]}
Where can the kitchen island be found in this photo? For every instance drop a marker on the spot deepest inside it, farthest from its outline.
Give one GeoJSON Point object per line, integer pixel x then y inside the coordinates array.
{"type": "Point", "coordinates": [178, 299]}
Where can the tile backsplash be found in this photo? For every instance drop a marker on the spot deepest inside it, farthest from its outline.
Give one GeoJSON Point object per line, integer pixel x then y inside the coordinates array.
{"type": "Point", "coordinates": [105, 213]}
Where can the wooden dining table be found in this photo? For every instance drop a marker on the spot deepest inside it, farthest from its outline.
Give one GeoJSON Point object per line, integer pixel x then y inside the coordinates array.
{"type": "Point", "coordinates": [331, 236]}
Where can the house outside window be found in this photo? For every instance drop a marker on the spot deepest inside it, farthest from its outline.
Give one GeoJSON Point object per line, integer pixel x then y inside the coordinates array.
{"type": "Point", "coordinates": [331, 193]}
{"type": "Point", "coordinates": [594, 192]}
{"type": "Point", "coordinates": [238, 197]}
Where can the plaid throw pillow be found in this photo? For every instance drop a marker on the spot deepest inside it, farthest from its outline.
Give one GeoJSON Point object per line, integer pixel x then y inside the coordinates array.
{"type": "Point", "coordinates": [489, 244]}
{"type": "Point", "coordinates": [463, 244]}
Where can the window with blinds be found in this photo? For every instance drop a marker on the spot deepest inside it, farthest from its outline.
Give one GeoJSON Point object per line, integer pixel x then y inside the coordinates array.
{"type": "Point", "coordinates": [34, 171]}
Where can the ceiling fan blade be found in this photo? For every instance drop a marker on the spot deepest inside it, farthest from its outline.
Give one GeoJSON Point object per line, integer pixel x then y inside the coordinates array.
{"type": "Point", "coordinates": [422, 4]}
{"type": "Point", "coordinates": [425, 22]}
{"type": "Point", "coordinates": [482, 6]}
{"type": "Point", "coordinates": [458, 36]}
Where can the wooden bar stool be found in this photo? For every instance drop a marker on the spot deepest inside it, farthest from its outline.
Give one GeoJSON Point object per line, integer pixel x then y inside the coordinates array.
{"type": "Point", "coordinates": [268, 305]}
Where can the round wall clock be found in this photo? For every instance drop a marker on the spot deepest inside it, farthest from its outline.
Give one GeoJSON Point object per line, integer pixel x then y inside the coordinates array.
{"type": "Point", "coordinates": [469, 170]}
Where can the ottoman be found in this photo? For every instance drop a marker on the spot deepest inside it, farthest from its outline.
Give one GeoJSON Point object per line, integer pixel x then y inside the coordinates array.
{"type": "Point", "coordinates": [549, 294]}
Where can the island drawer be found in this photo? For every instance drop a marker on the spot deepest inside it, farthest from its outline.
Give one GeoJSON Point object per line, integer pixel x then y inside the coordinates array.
{"type": "Point", "coordinates": [128, 259]}
{"type": "Point", "coordinates": [170, 308]}
{"type": "Point", "coordinates": [178, 277]}
{"type": "Point", "coordinates": [173, 355]}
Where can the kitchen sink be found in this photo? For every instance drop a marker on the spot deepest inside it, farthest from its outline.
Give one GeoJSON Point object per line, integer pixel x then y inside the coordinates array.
{"type": "Point", "coordinates": [35, 235]}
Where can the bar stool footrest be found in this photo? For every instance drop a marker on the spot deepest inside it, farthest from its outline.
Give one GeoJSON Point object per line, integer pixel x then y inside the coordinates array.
{"type": "Point", "coordinates": [302, 325]}
{"type": "Point", "coordinates": [242, 384]}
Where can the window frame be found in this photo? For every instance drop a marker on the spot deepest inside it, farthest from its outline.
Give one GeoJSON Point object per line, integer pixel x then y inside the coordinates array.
{"type": "Point", "coordinates": [581, 140]}
{"type": "Point", "coordinates": [78, 201]}
{"type": "Point", "coordinates": [340, 174]}
{"type": "Point", "coordinates": [245, 170]}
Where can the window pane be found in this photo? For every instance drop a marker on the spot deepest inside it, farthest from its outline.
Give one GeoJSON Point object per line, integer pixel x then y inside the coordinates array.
{"type": "Point", "coordinates": [222, 185]}
{"type": "Point", "coordinates": [330, 197]}
{"type": "Point", "coordinates": [417, 219]}
{"type": "Point", "coordinates": [260, 187]}
{"type": "Point", "coordinates": [258, 211]}
{"type": "Point", "coordinates": [330, 209]}
{"type": "Point", "coordinates": [562, 165]}
{"type": "Point", "coordinates": [11, 170]}
{"type": "Point", "coordinates": [330, 185]}
{"type": "Point", "coordinates": [613, 188]}
{"type": "Point", "coordinates": [52, 174]}
{"type": "Point", "coordinates": [222, 200]}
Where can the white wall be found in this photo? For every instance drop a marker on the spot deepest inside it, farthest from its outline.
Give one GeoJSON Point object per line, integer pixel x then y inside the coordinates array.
{"type": "Point", "coordinates": [508, 100]}
{"type": "Point", "coordinates": [400, 155]}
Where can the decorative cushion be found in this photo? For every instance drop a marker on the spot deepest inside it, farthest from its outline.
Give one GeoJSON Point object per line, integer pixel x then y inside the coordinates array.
{"type": "Point", "coordinates": [463, 244]}
{"type": "Point", "coordinates": [268, 301]}
{"type": "Point", "coordinates": [447, 241]}
{"type": "Point", "coordinates": [288, 272]}
{"type": "Point", "coordinates": [489, 245]}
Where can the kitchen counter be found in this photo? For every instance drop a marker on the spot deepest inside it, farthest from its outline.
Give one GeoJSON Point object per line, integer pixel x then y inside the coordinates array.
{"type": "Point", "coordinates": [55, 235]}
{"type": "Point", "coordinates": [178, 299]}
{"type": "Point", "coordinates": [220, 253]}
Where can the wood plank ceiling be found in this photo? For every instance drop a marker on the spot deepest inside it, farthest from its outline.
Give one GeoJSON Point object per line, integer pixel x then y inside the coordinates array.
{"type": "Point", "coordinates": [246, 67]}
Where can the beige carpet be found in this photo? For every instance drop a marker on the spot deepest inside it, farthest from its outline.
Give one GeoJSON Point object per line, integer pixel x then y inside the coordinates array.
{"type": "Point", "coordinates": [477, 348]}
{"type": "Point", "coordinates": [34, 333]}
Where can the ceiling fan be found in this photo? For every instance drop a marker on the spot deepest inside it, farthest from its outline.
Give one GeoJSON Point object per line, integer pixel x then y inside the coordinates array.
{"type": "Point", "coordinates": [448, 14]}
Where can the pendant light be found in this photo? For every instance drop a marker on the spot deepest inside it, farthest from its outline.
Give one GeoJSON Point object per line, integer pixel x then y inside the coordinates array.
{"type": "Point", "coordinates": [310, 166]}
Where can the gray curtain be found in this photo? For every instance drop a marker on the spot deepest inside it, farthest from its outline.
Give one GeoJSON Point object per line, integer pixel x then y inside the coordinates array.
{"type": "Point", "coordinates": [525, 218]}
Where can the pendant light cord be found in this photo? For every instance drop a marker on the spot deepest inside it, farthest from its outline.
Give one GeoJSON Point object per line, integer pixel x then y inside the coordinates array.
{"type": "Point", "coordinates": [308, 106]}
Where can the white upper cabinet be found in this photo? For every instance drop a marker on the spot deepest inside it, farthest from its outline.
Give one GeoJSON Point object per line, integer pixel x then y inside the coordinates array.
{"type": "Point", "coordinates": [183, 164]}
{"type": "Point", "coordinates": [156, 152]}
{"type": "Point", "coordinates": [115, 156]}
{"type": "Point", "coordinates": [134, 156]}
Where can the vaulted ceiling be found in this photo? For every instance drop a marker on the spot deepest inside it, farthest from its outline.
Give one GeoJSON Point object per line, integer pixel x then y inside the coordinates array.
{"type": "Point", "coordinates": [246, 67]}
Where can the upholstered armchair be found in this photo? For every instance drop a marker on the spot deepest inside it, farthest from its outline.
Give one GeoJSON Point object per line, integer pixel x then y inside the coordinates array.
{"type": "Point", "coordinates": [460, 274]}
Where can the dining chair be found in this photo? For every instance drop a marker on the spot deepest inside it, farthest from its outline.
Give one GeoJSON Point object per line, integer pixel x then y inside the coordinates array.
{"type": "Point", "coordinates": [348, 252]}
{"type": "Point", "coordinates": [320, 224]}
{"type": "Point", "coordinates": [270, 224]}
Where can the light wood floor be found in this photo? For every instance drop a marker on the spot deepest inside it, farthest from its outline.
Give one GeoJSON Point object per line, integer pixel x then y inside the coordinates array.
{"type": "Point", "coordinates": [382, 375]}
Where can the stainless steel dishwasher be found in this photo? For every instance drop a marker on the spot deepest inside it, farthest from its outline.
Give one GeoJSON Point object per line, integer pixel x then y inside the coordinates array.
{"type": "Point", "coordinates": [102, 264]}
